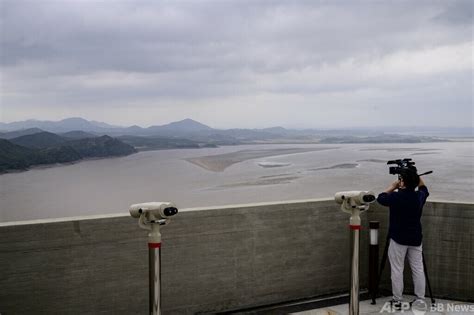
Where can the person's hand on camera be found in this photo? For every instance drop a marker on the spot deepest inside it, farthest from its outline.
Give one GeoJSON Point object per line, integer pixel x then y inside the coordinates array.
{"type": "Point", "coordinates": [421, 183]}
{"type": "Point", "coordinates": [395, 185]}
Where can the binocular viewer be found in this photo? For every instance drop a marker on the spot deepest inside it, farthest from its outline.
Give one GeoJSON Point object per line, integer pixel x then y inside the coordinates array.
{"type": "Point", "coordinates": [153, 210]}
{"type": "Point", "coordinates": [354, 202]}
{"type": "Point", "coordinates": [354, 199]}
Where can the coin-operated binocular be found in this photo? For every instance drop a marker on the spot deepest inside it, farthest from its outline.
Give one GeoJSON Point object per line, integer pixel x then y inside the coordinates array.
{"type": "Point", "coordinates": [354, 202]}
{"type": "Point", "coordinates": [151, 217]}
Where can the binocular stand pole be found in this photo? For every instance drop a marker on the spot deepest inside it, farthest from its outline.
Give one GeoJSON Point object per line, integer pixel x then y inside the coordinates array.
{"type": "Point", "coordinates": [354, 297]}
{"type": "Point", "coordinates": [350, 206]}
{"type": "Point", "coordinates": [154, 267]}
{"type": "Point", "coordinates": [384, 261]}
{"type": "Point", "coordinates": [154, 262]}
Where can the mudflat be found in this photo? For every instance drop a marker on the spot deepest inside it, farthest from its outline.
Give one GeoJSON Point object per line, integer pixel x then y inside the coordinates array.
{"type": "Point", "coordinates": [219, 162]}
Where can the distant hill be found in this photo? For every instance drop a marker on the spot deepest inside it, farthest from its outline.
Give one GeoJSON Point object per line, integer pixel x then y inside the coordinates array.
{"type": "Point", "coordinates": [77, 134]}
{"type": "Point", "coordinates": [250, 134]}
{"type": "Point", "coordinates": [19, 133]}
{"type": "Point", "coordinates": [13, 156]}
{"type": "Point", "coordinates": [187, 125]}
{"type": "Point", "coordinates": [194, 131]}
{"type": "Point", "coordinates": [159, 143]}
{"type": "Point", "coordinates": [102, 124]}
{"type": "Point", "coordinates": [65, 125]}
{"type": "Point", "coordinates": [101, 147]}
{"type": "Point", "coordinates": [134, 130]}
{"type": "Point", "coordinates": [51, 149]}
{"type": "Point", "coordinates": [76, 123]}
{"type": "Point", "coordinates": [61, 154]}
{"type": "Point", "coordinates": [276, 130]}
{"type": "Point", "coordinates": [39, 140]}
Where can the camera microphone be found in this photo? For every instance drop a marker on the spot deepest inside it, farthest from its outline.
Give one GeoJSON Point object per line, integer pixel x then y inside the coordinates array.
{"type": "Point", "coordinates": [426, 173]}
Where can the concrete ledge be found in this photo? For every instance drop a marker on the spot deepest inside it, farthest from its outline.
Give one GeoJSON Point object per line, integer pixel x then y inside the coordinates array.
{"type": "Point", "coordinates": [215, 259]}
{"type": "Point", "coordinates": [448, 246]}
{"type": "Point", "coordinates": [126, 214]}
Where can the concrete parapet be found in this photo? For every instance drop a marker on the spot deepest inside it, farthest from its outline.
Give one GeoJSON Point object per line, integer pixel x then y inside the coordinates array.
{"type": "Point", "coordinates": [213, 259]}
{"type": "Point", "coordinates": [448, 246]}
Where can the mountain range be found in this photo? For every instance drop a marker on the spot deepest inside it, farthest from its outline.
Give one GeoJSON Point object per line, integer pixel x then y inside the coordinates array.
{"type": "Point", "coordinates": [68, 124]}
{"type": "Point", "coordinates": [192, 129]}
{"type": "Point", "coordinates": [73, 139]}
{"type": "Point", "coordinates": [33, 142]}
{"type": "Point", "coordinates": [77, 123]}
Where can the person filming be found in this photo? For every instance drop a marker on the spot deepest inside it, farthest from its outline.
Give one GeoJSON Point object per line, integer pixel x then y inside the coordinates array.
{"type": "Point", "coordinates": [406, 198]}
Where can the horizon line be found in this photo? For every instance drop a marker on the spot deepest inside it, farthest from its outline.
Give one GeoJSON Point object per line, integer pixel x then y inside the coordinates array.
{"type": "Point", "coordinates": [273, 126]}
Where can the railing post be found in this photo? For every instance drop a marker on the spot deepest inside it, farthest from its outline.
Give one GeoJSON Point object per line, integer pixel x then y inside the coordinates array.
{"type": "Point", "coordinates": [154, 267]}
{"type": "Point", "coordinates": [354, 295]}
{"type": "Point", "coordinates": [373, 259]}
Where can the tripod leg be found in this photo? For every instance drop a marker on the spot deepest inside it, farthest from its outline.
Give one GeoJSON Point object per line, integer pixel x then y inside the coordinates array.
{"type": "Point", "coordinates": [384, 259]}
{"type": "Point", "coordinates": [427, 279]}
{"type": "Point", "coordinates": [382, 265]}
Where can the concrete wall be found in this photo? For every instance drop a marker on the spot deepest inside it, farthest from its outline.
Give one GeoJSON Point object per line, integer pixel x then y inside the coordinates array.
{"type": "Point", "coordinates": [448, 246]}
{"type": "Point", "coordinates": [213, 259]}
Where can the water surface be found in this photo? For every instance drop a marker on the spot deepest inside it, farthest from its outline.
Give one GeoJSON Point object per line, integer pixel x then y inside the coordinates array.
{"type": "Point", "coordinates": [111, 185]}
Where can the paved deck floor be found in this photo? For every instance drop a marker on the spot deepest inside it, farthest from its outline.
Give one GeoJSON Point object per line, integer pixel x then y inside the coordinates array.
{"type": "Point", "coordinates": [441, 307]}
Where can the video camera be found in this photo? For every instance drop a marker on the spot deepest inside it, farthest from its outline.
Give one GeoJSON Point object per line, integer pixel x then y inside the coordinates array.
{"type": "Point", "coordinates": [403, 165]}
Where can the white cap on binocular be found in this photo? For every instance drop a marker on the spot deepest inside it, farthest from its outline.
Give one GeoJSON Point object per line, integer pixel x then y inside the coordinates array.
{"type": "Point", "coordinates": [156, 209]}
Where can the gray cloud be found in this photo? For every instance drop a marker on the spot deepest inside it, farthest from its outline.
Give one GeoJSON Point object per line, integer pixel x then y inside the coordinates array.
{"type": "Point", "coordinates": [175, 59]}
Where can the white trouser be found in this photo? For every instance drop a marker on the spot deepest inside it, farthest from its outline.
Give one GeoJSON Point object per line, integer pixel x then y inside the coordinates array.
{"type": "Point", "coordinates": [396, 255]}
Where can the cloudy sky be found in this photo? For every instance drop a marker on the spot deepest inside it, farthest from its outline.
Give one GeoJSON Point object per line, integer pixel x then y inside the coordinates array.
{"type": "Point", "coordinates": [239, 63]}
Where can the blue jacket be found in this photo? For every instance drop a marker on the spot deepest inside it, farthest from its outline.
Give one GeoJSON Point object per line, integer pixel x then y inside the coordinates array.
{"type": "Point", "coordinates": [406, 207]}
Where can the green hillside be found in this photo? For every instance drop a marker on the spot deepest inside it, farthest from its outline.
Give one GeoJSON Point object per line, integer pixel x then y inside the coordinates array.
{"type": "Point", "coordinates": [13, 156]}
{"type": "Point", "coordinates": [39, 140]}
{"type": "Point", "coordinates": [77, 134]}
{"type": "Point", "coordinates": [51, 149]}
{"type": "Point", "coordinates": [101, 147]}
{"type": "Point", "coordinates": [62, 154]}
{"type": "Point", "coordinates": [158, 143]}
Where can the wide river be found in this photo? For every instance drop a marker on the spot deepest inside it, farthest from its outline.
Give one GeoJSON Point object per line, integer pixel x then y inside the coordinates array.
{"type": "Point", "coordinates": [229, 175]}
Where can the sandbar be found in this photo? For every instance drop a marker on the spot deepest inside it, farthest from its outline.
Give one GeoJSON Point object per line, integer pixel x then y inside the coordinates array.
{"type": "Point", "coordinates": [272, 164]}
{"type": "Point", "coordinates": [398, 149]}
{"type": "Point", "coordinates": [262, 182]}
{"type": "Point", "coordinates": [218, 163]}
{"type": "Point", "coordinates": [337, 166]}
{"type": "Point", "coordinates": [373, 160]}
